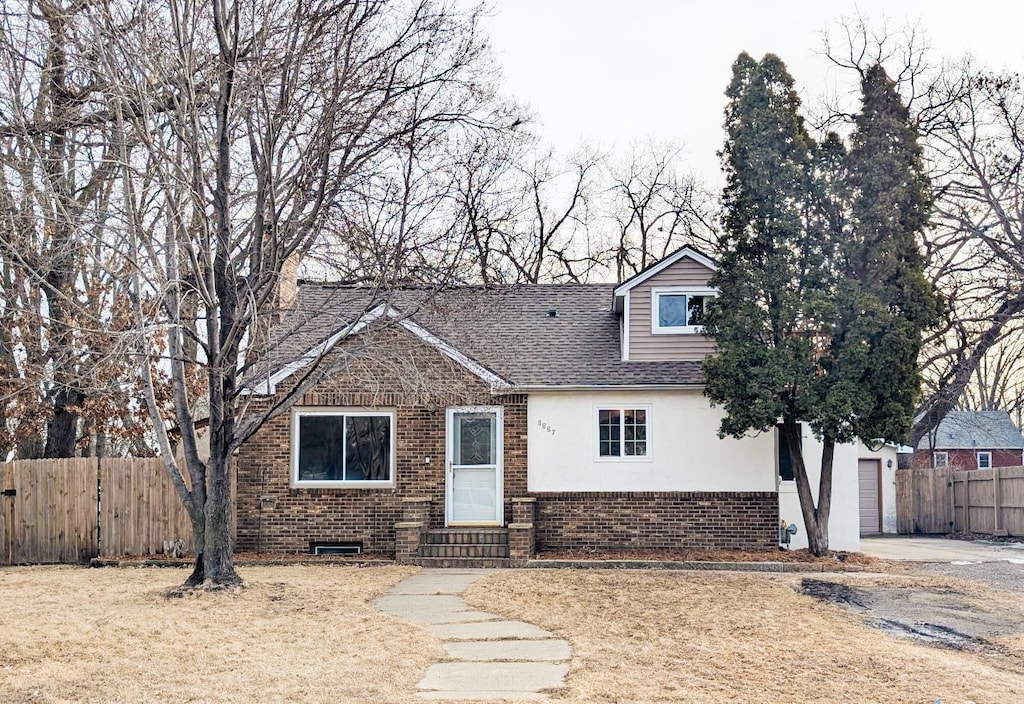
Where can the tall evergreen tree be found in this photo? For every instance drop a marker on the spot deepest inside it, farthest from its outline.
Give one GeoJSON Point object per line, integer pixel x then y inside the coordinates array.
{"type": "Point", "coordinates": [822, 298]}
{"type": "Point", "coordinates": [889, 300]}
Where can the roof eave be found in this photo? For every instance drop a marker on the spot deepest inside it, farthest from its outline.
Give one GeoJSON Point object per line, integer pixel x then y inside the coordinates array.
{"type": "Point", "coordinates": [526, 388]}
{"type": "Point", "coordinates": [658, 267]}
{"type": "Point", "coordinates": [268, 387]}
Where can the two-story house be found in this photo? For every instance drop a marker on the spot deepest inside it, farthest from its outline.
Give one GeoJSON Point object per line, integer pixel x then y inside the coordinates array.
{"type": "Point", "coordinates": [566, 417]}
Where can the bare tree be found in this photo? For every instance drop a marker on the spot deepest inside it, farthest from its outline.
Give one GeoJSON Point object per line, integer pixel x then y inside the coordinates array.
{"type": "Point", "coordinates": [65, 382]}
{"type": "Point", "coordinates": [975, 123]}
{"type": "Point", "coordinates": [998, 383]}
{"type": "Point", "coordinates": [246, 124]}
{"type": "Point", "coordinates": [417, 215]}
{"type": "Point", "coordinates": [655, 209]}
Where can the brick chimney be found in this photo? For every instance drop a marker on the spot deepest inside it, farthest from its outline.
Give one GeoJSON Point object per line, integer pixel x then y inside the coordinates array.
{"type": "Point", "coordinates": [285, 293]}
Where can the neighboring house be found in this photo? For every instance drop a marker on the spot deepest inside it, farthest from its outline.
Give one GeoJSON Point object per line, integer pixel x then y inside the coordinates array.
{"type": "Point", "coordinates": [558, 417]}
{"type": "Point", "coordinates": [972, 440]}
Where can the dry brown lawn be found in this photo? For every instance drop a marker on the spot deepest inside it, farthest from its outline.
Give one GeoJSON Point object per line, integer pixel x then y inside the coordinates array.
{"type": "Point", "coordinates": [309, 634]}
{"type": "Point", "coordinates": [297, 634]}
{"type": "Point", "coordinates": [646, 636]}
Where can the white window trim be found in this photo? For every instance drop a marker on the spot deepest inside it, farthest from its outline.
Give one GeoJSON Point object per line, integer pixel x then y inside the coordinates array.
{"type": "Point", "coordinates": [297, 483]}
{"type": "Point", "coordinates": [657, 293]}
{"type": "Point", "coordinates": [987, 454]}
{"type": "Point", "coordinates": [598, 457]}
{"type": "Point", "coordinates": [935, 459]}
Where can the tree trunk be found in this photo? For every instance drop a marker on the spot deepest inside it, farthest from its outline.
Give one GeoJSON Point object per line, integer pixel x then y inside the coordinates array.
{"type": "Point", "coordinates": [815, 516]}
{"type": "Point", "coordinates": [218, 551]}
{"type": "Point", "coordinates": [62, 428]}
{"type": "Point", "coordinates": [198, 575]}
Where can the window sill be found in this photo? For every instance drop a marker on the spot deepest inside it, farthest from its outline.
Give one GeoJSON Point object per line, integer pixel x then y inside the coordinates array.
{"type": "Point", "coordinates": [342, 485]}
{"type": "Point", "coordinates": [629, 459]}
{"type": "Point", "coordinates": [682, 330]}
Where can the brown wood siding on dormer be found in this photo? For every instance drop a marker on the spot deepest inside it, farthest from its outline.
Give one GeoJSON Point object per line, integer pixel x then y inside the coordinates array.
{"type": "Point", "coordinates": [647, 347]}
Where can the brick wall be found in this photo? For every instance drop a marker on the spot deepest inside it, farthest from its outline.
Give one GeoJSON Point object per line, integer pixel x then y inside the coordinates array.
{"type": "Point", "coordinates": [399, 373]}
{"type": "Point", "coordinates": [624, 521]}
{"type": "Point", "coordinates": [418, 384]}
{"type": "Point", "coordinates": [968, 459]}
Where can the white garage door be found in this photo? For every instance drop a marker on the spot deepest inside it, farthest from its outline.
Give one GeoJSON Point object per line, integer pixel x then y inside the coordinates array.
{"type": "Point", "coordinates": [870, 515]}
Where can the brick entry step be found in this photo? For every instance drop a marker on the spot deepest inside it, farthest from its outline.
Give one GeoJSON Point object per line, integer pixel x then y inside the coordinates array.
{"type": "Point", "coordinates": [463, 547]}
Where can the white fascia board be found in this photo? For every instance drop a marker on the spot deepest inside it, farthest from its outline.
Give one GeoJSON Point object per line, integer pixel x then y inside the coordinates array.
{"type": "Point", "coordinates": [668, 261]}
{"type": "Point", "coordinates": [269, 387]}
{"type": "Point", "coordinates": [625, 328]}
{"type": "Point", "coordinates": [609, 387]}
{"type": "Point", "coordinates": [485, 374]}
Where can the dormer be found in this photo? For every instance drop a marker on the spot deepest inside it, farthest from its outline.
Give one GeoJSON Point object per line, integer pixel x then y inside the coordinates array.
{"type": "Point", "coordinates": [662, 309]}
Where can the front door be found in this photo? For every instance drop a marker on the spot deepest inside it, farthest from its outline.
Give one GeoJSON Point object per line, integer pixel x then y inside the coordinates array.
{"type": "Point", "coordinates": [474, 480]}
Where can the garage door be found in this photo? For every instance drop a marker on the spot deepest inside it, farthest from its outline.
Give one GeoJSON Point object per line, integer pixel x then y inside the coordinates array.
{"type": "Point", "coordinates": [870, 515]}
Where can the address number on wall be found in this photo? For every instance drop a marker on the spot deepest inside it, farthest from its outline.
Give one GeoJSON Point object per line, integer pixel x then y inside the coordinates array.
{"type": "Point", "coordinates": [545, 427]}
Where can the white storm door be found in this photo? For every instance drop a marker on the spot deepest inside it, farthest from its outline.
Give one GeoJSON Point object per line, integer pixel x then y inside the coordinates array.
{"type": "Point", "coordinates": [474, 479]}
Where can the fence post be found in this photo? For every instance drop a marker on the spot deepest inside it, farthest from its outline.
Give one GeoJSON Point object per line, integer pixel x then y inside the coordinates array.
{"type": "Point", "coordinates": [951, 483]}
{"type": "Point", "coordinates": [967, 503]}
{"type": "Point", "coordinates": [996, 503]}
{"type": "Point", "coordinates": [7, 514]}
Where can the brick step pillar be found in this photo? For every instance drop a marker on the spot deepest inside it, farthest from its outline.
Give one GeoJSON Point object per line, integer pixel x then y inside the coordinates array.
{"type": "Point", "coordinates": [409, 531]}
{"type": "Point", "coordinates": [522, 535]}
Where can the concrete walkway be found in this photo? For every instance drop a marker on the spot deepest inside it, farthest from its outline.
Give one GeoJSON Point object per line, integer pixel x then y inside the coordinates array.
{"type": "Point", "coordinates": [928, 549]}
{"type": "Point", "coordinates": [491, 657]}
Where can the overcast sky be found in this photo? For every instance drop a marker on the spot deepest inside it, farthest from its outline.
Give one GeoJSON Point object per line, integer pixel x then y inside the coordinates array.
{"type": "Point", "coordinates": [614, 72]}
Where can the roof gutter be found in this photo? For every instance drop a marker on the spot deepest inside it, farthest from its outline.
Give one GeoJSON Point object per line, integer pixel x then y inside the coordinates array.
{"type": "Point", "coordinates": [534, 388]}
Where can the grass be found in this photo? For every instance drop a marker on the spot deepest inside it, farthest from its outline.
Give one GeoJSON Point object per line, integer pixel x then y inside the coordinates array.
{"type": "Point", "coordinates": [297, 634]}
{"type": "Point", "coordinates": [647, 636]}
{"type": "Point", "coordinates": [309, 634]}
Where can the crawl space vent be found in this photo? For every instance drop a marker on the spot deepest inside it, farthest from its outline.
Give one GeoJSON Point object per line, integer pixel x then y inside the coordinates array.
{"type": "Point", "coordinates": [336, 548]}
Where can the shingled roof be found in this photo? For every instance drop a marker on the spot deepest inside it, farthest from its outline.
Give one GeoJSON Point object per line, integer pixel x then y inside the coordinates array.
{"type": "Point", "coordinates": [532, 336]}
{"type": "Point", "coordinates": [975, 430]}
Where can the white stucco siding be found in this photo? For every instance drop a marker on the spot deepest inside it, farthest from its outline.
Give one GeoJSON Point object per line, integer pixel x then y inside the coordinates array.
{"type": "Point", "coordinates": [844, 517]}
{"type": "Point", "coordinates": [887, 455]}
{"type": "Point", "coordinates": [685, 451]}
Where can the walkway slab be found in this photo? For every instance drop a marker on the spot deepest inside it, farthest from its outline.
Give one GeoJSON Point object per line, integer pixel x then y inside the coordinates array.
{"type": "Point", "coordinates": [554, 650]}
{"type": "Point", "coordinates": [405, 603]}
{"type": "Point", "coordinates": [487, 630]}
{"type": "Point", "coordinates": [493, 658]}
{"type": "Point", "coordinates": [472, 677]}
{"type": "Point", "coordinates": [439, 581]}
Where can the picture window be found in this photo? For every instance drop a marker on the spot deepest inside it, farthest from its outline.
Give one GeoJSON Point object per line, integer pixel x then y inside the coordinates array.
{"type": "Point", "coordinates": [343, 448]}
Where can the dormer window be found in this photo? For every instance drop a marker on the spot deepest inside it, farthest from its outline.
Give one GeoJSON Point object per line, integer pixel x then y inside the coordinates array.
{"type": "Point", "coordinates": [678, 311]}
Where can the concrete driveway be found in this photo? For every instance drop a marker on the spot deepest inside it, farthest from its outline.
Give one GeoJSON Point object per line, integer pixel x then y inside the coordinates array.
{"type": "Point", "coordinates": [927, 549]}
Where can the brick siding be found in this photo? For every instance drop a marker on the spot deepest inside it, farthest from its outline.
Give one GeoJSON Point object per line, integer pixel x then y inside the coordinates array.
{"type": "Point", "coordinates": [968, 459]}
{"type": "Point", "coordinates": [414, 381]}
{"type": "Point", "coordinates": [396, 372]}
{"type": "Point", "coordinates": [623, 521]}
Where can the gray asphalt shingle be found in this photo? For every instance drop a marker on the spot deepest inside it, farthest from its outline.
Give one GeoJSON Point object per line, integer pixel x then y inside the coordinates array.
{"type": "Point", "coordinates": [975, 430]}
{"type": "Point", "coordinates": [510, 330]}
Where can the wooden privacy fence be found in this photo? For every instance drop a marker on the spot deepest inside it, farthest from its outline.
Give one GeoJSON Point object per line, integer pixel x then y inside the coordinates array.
{"type": "Point", "coordinates": [975, 501]}
{"type": "Point", "coordinates": [70, 510]}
